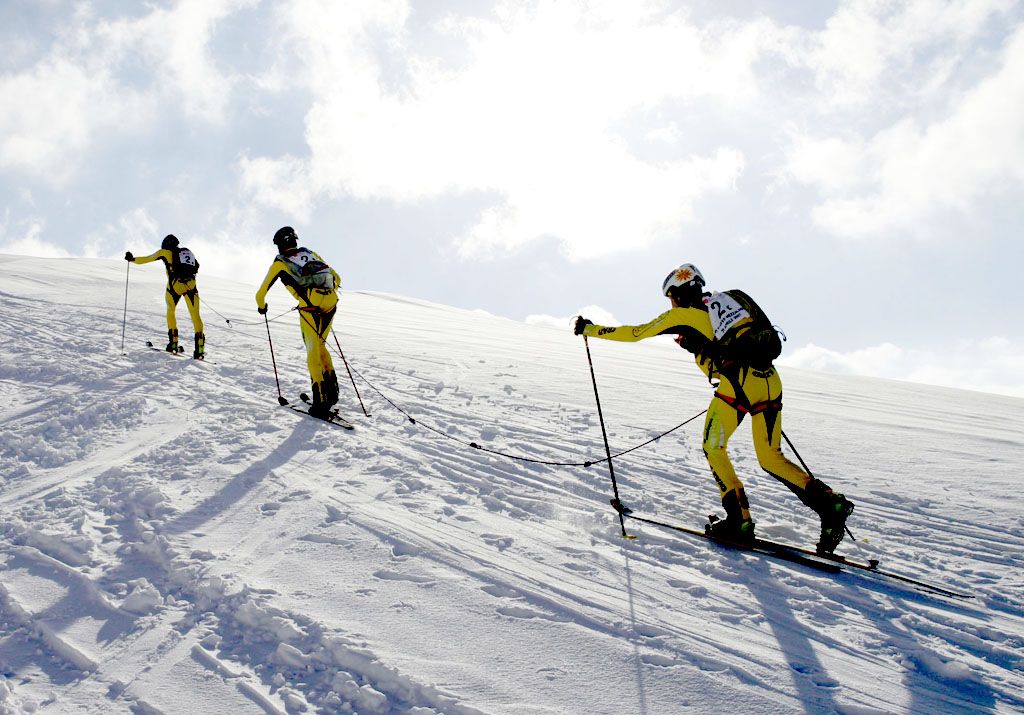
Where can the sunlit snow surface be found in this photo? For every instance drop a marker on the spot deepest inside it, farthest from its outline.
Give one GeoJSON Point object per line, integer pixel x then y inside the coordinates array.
{"type": "Point", "coordinates": [173, 541]}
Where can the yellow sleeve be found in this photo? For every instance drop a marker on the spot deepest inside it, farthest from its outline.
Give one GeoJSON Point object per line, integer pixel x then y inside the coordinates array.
{"type": "Point", "coordinates": [163, 254]}
{"type": "Point", "coordinates": [672, 321]}
{"type": "Point", "coordinates": [276, 268]}
{"type": "Point", "coordinates": [692, 325]}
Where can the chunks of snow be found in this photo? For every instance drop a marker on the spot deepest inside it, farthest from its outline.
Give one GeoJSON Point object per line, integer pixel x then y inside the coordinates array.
{"type": "Point", "coordinates": [143, 597]}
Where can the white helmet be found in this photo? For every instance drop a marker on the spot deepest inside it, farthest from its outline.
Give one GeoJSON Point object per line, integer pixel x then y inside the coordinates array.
{"type": "Point", "coordinates": [685, 275]}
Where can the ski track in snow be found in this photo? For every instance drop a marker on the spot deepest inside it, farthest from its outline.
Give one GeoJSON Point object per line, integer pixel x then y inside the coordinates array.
{"type": "Point", "coordinates": [173, 541]}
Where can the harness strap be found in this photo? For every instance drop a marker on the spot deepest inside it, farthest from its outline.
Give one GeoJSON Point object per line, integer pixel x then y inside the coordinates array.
{"type": "Point", "coordinates": [320, 319]}
{"type": "Point", "coordinates": [754, 409]}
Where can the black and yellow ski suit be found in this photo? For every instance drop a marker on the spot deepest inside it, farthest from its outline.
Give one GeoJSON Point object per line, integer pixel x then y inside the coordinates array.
{"type": "Point", "coordinates": [176, 289]}
{"type": "Point", "coordinates": [741, 391]}
{"type": "Point", "coordinates": [317, 307]}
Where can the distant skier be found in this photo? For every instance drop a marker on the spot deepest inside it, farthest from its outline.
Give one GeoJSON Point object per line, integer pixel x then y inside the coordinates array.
{"type": "Point", "coordinates": [315, 285]}
{"type": "Point", "coordinates": [182, 267]}
{"type": "Point", "coordinates": [734, 342]}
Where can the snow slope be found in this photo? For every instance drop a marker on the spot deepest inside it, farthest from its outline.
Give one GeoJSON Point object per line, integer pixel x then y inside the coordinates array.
{"type": "Point", "coordinates": [172, 541]}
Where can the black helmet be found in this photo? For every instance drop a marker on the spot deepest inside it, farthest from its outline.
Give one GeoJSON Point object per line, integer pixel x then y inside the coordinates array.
{"type": "Point", "coordinates": [285, 238]}
{"type": "Point", "coordinates": [170, 241]}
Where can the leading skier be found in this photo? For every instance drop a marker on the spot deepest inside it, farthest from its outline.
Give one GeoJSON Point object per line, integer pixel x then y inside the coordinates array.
{"type": "Point", "coordinates": [732, 341]}
{"type": "Point", "coordinates": [182, 267]}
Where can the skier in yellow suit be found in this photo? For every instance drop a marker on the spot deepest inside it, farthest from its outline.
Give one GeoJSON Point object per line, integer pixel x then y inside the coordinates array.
{"type": "Point", "coordinates": [182, 267]}
{"type": "Point", "coordinates": [733, 342]}
{"type": "Point", "coordinates": [315, 285]}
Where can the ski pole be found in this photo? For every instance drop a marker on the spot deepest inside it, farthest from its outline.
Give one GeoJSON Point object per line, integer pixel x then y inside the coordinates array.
{"type": "Point", "coordinates": [124, 320]}
{"type": "Point", "coordinates": [604, 434]}
{"type": "Point", "coordinates": [808, 470]}
{"type": "Point", "coordinates": [280, 398]}
{"type": "Point", "coordinates": [342, 353]}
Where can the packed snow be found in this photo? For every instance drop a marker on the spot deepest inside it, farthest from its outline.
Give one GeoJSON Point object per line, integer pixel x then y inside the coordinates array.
{"type": "Point", "coordinates": [174, 541]}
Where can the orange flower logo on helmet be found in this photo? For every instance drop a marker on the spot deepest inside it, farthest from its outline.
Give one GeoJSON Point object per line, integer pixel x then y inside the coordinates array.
{"type": "Point", "coordinates": [684, 275]}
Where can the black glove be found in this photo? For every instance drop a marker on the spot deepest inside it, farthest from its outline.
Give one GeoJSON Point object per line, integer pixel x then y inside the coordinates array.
{"type": "Point", "coordinates": [581, 323]}
{"type": "Point", "coordinates": [129, 257]}
{"type": "Point", "coordinates": [263, 310]}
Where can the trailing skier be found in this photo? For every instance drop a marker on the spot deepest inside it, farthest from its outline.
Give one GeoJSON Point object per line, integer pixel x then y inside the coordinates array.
{"type": "Point", "coordinates": [733, 342]}
{"type": "Point", "coordinates": [182, 268]}
{"type": "Point", "coordinates": [315, 285]}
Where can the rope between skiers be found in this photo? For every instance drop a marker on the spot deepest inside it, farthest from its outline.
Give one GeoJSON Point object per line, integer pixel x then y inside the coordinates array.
{"type": "Point", "coordinates": [231, 322]}
{"type": "Point", "coordinates": [472, 445]}
{"type": "Point", "coordinates": [506, 455]}
{"type": "Point", "coordinates": [466, 443]}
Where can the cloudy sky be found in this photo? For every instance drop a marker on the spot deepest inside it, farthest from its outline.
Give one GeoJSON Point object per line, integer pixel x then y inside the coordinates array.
{"type": "Point", "coordinates": [857, 166]}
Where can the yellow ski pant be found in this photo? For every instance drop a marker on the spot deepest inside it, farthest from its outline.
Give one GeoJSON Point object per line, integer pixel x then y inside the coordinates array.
{"type": "Point", "coordinates": [175, 290]}
{"type": "Point", "coordinates": [315, 322]}
{"type": "Point", "coordinates": [759, 394]}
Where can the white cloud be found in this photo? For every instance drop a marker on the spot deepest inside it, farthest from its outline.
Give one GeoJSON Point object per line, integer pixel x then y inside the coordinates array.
{"type": "Point", "coordinates": [134, 230]}
{"type": "Point", "coordinates": [992, 365]}
{"type": "Point", "coordinates": [594, 313]}
{"type": "Point", "coordinates": [915, 171]}
{"type": "Point", "coordinates": [175, 42]}
{"type": "Point", "coordinates": [238, 248]}
{"type": "Point", "coordinates": [878, 361]}
{"type": "Point", "coordinates": [55, 111]}
{"type": "Point", "coordinates": [224, 256]}
{"type": "Point", "coordinates": [533, 118]}
{"type": "Point", "coordinates": [138, 225]}
{"type": "Point", "coordinates": [279, 183]}
{"type": "Point", "coordinates": [868, 44]}
{"type": "Point", "coordinates": [832, 164]}
{"type": "Point", "coordinates": [220, 254]}
{"type": "Point", "coordinates": [29, 243]}
{"type": "Point", "coordinates": [596, 214]}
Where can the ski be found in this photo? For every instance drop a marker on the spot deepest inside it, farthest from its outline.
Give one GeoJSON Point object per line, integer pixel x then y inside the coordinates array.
{"type": "Point", "coordinates": [334, 418]}
{"type": "Point", "coordinates": [760, 546]}
{"type": "Point", "coordinates": [180, 353]}
{"type": "Point", "coordinates": [829, 563]}
{"type": "Point", "coordinates": [149, 344]}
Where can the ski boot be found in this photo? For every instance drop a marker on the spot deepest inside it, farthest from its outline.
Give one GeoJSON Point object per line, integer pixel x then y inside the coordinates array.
{"type": "Point", "coordinates": [731, 530]}
{"type": "Point", "coordinates": [321, 411]}
{"type": "Point", "coordinates": [330, 387]}
{"type": "Point", "coordinates": [833, 522]}
{"type": "Point", "coordinates": [172, 341]}
{"type": "Point", "coordinates": [200, 352]}
{"type": "Point", "coordinates": [318, 407]}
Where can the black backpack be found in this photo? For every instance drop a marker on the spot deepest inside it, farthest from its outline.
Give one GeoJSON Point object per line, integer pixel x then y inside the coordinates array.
{"type": "Point", "coordinates": [754, 343]}
{"type": "Point", "coordinates": [184, 266]}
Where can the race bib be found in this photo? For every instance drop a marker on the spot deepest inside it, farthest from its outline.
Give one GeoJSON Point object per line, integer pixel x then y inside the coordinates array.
{"type": "Point", "coordinates": [724, 312]}
{"type": "Point", "coordinates": [186, 258]}
{"type": "Point", "coordinates": [301, 257]}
